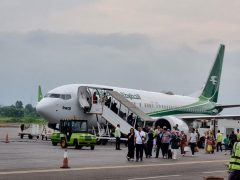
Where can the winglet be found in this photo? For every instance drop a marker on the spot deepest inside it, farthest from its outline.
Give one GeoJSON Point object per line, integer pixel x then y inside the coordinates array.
{"type": "Point", "coordinates": [211, 88]}
{"type": "Point", "coordinates": [40, 96]}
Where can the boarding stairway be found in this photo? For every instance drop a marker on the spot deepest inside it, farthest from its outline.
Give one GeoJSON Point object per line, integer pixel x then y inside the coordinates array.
{"type": "Point", "coordinates": [131, 107]}
{"type": "Point", "coordinates": [115, 119]}
{"type": "Point", "coordinates": [106, 112]}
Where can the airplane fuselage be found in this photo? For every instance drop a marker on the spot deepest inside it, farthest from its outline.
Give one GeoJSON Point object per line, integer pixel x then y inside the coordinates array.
{"type": "Point", "coordinates": [152, 103]}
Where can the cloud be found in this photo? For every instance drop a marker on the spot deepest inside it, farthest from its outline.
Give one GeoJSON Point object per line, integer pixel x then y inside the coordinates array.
{"type": "Point", "coordinates": [169, 22]}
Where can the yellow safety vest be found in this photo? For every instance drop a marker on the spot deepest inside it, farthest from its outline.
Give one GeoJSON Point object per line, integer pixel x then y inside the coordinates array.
{"type": "Point", "coordinates": [219, 137]}
{"type": "Point", "coordinates": [235, 158]}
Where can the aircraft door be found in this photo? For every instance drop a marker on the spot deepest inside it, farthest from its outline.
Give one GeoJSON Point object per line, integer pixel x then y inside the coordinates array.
{"type": "Point", "coordinates": [90, 100]}
{"type": "Point", "coordinates": [84, 98]}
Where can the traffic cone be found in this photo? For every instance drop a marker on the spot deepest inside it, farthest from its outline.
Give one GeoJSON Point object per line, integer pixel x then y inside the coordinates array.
{"type": "Point", "coordinates": [6, 140]}
{"type": "Point", "coordinates": [65, 160]}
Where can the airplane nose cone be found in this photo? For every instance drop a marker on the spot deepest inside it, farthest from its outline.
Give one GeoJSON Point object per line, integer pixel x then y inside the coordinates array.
{"type": "Point", "coordinates": [44, 109]}
{"type": "Point", "coordinates": [47, 110]}
{"type": "Point", "coordinates": [40, 108]}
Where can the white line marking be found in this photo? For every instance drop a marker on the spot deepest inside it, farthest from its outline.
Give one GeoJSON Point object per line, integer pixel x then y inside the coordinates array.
{"type": "Point", "coordinates": [110, 167]}
{"type": "Point", "coordinates": [155, 177]}
{"type": "Point", "coordinates": [219, 171]}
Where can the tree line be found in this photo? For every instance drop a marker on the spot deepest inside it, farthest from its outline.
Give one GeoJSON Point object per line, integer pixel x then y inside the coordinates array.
{"type": "Point", "coordinates": [18, 110]}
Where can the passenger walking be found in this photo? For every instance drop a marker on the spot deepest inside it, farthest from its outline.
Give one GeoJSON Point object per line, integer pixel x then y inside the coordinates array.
{"type": "Point", "coordinates": [226, 142]}
{"type": "Point", "coordinates": [157, 131]}
{"type": "Point", "coordinates": [158, 139]}
{"type": "Point", "coordinates": [117, 136]}
{"type": "Point", "coordinates": [131, 146]}
{"type": "Point", "coordinates": [139, 143]}
{"type": "Point", "coordinates": [130, 119]}
{"type": "Point", "coordinates": [108, 102]}
{"type": "Point", "coordinates": [174, 144]}
{"type": "Point", "coordinates": [219, 140]}
{"type": "Point", "coordinates": [233, 139]}
{"type": "Point", "coordinates": [165, 141]}
{"type": "Point", "coordinates": [94, 98]}
{"type": "Point", "coordinates": [149, 143]}
{"type": "Point", "coordinates": [104, 98]}
{"type": "Point", "coordinates": [193, 141]}
{"type": "Point", "coordinates": [183, 142]}
{"type": "Point", "coordinates": [210, 144]}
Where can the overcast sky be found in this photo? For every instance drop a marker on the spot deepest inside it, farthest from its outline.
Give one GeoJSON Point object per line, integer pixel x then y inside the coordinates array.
{"type": "Point", "coordinates": [156, 45]}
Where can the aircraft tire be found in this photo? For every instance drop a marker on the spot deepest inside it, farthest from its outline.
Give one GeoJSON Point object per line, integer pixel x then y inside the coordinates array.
{"type": "Point", "coordinates": [21, 136]}
{"type": "Point", "coordinates": [92, 147]}
{"type": "Point", "coordinates": [30, 136]}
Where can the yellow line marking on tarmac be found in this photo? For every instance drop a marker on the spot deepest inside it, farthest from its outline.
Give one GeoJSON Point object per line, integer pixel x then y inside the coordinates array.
{"type": "Point", "coordinates": [110, 167]}
{"type": "Point", "coordinates": [155, 177]}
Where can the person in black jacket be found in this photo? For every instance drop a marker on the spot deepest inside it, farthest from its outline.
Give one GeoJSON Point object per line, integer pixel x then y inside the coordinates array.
{"type": "Point", "coordinates": [233, 139]}
{"type": "Point", "coordinates": [158, 141]}
{"type": "Point", "coordinates": [131, 146]}
{"type": "Point", "coordinates": [150, 143]}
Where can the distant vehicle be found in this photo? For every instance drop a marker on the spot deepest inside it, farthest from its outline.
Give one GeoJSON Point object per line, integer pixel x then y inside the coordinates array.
{"type": "Point", "coordinates": [75, 133]}
{"type": "Point", "coordinates": [30, 130]}
{"type": "Point", "coordinates": [160, 109]}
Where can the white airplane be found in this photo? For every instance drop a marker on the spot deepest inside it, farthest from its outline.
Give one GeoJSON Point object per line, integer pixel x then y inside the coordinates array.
{"type": "Point", "coordinates": [73, 101]}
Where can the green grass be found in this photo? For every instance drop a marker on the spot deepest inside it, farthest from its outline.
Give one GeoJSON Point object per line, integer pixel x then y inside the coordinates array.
{"type": "Point", "coordinates": [22, 120]}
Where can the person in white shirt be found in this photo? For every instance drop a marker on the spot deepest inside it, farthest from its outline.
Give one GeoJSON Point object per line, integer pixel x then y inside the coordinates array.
{"type": "Point", "coordinates": [140, 138]}
{"type": "Point", "coordinates": [193, 141]}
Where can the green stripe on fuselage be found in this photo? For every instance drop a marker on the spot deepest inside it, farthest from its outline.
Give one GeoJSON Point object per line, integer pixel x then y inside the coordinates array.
{"type": "Point", "coordinates": [202, 106]}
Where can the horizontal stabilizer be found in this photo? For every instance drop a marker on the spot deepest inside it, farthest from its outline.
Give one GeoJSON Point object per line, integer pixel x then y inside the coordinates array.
{"type": "Point", "coordinates": [191, 118]}
{"type": "Point", "coordinates": [228, 106]}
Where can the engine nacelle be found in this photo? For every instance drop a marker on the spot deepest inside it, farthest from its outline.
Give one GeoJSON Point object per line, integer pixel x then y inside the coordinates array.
{"type": "Point", "coordinates": [170, 122]}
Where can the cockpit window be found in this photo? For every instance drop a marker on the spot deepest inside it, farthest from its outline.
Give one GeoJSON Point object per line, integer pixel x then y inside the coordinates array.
{"type": "Point", "coordinates": [61, 96]}
{"type": "Point", "coordinates": [65, 96]}
{"type": "Point", "coordinates": [54, 95]}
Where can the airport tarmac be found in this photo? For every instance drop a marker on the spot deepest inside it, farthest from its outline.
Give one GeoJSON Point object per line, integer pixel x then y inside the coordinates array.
{"type": "Point", "coordinates": [37, 159]}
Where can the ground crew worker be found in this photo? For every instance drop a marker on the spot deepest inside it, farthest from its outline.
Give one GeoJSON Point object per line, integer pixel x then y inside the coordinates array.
{"type": "Point", "coordinates": [234, 165]}
{"type": "Point", "coordinates": [238, 135]}
{"type": "Point", "coordinates": [117, 136]}
{"type": "Point", "coordinates": [219, 140]}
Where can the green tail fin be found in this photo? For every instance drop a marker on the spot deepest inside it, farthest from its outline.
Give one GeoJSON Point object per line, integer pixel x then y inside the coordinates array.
{"type": "Point", "coordinates": [211, 88]}
{"type": "Point", "coordinates": [40, 96]}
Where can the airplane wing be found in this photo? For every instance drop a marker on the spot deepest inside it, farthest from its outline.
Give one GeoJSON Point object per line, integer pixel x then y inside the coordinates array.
{"type": "Point", "coordinates": [233, 117]}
